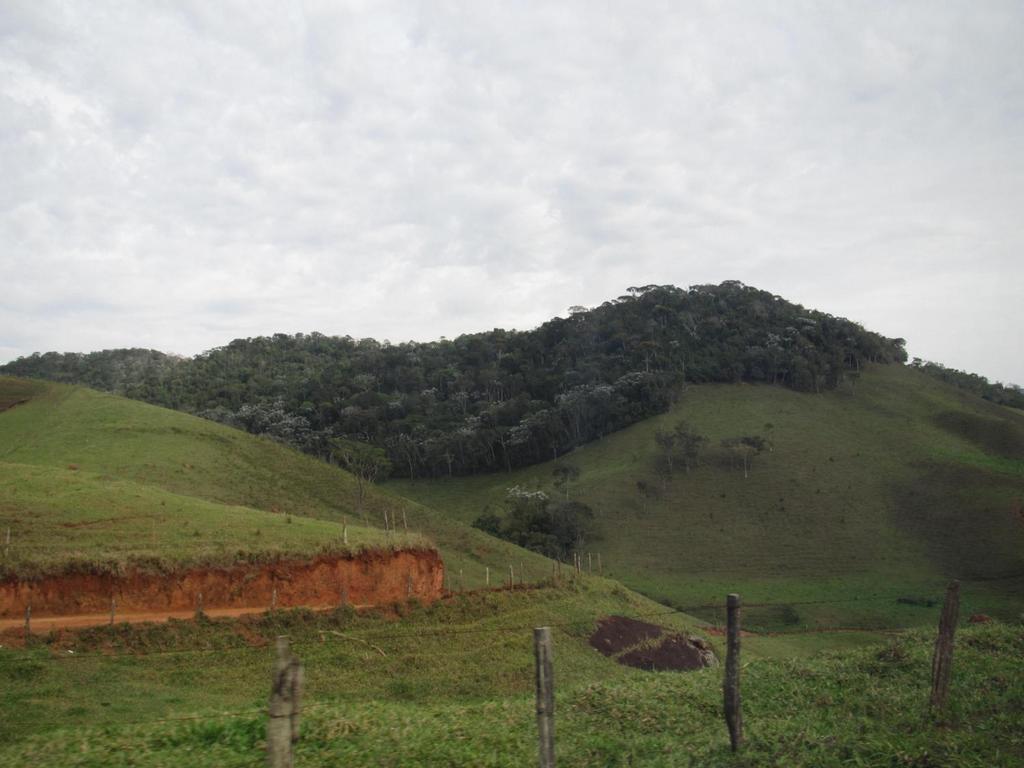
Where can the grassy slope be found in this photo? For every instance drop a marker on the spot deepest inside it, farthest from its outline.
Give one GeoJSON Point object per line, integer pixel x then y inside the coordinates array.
{"type": "Point", "coordinates": [152, 470]}
{"type": "Point", "coordinates": [888, 490]}
{"type": "Point", "coordinates": [452, 685]}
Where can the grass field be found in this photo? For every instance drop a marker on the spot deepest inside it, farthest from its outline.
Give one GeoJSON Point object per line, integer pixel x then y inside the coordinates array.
{"type": "Point", "coordinates": [452, 685]}
{"type": "Point", "coordinates": [92, 479]}
{"type": "Point", "coordinates": [65, 519]}
{"type": "Point", "coordinates": [89, 479]}
{"type": "Point", "coordinates": [890, 489]}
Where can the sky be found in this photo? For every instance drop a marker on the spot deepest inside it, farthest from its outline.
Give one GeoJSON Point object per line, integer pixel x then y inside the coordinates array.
{"type": "Point", "coordinates": [178, 174]}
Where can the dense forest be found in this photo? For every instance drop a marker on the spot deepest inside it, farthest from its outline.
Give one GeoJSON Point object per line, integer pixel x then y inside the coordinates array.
{"type": "Point", "coordinates": [494, 400]}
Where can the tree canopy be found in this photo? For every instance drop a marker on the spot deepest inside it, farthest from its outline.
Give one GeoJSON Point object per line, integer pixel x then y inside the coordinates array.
{"type": "Point", "coordinates": [494, 400]}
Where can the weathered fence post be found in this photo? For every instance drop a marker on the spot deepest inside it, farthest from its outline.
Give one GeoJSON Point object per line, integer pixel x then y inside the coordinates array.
{"type": "Point", "coordinates": [113, 610]}
{"type": "Point", "coordinates": [285, 706]}
{"type": "Point", "coordinates": [462, 584]}
{"type": "Point", "coordinates": [487, 575]}
{"type": "Point", "coordinates": [344, 533]}
{"type": "Point", "coordinates": [733, 705]}
{"type": "Point", "coordinates": [511, 577]}
{"type": "Point", "coordinates": [385, 519]}
{"type": "Point", "coordinates": [273, 599]}
{"type": "Point", "coordinates": [542, 651]}
{"type": "Point", "coordinates": [590, 563]}
{"type": "Point", "coordinates": [408, 585]}
{"type": "Point", "coordinates": [942, 658]}
{"type": "Point", "coordinates": [199, 606]}
{"type": "Point", "coordinates": [405, 522]}
{"type": "Point", "coordinates": [28, 623]}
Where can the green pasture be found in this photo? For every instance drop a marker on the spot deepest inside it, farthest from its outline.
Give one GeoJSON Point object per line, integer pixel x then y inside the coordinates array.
{"type": "Point", "coordinates": [452, 684]}
{"type": "Point", "coordinates": [63, 519]}
{"type": "Point", "coordinates": [145, 480]}
{"type": "Point", "coordinates": [889, 489]}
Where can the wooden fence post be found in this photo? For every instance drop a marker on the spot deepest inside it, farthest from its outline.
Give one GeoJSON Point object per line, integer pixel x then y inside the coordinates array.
{"type": "Point", "coordinates": [385, 519]}
{"type": "Point", "coordinates": [488, 575]}
{"type": "Point", "coordinates": [733, 705]}
{"type": "Point", "coordinates": [408, 586]}
{"type": "Point", "coordinates": [542, 651]}
{"type": "Point", "coordinates": [590, 563]}
{"type": "Point", "coordinates": [942, 658]}
{"type": "Point", "coordinates": [344, 533]}
{"type": "Point", "coordinates": [511, 577]}
{"type": "Point", "coordinates": [405, 522]}
{"type": "Point", "coordinates": [28, 623]}
{"type": "Point", "coordinates": [199, 606]}
{"type": "Point", "coordinates": [113, 610]}
{"type": "Point", "coordinates": [285, 706]}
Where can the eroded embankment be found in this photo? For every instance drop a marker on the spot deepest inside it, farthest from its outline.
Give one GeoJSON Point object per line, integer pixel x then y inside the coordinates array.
{"type": "Point", "coordinates": [372, 577]}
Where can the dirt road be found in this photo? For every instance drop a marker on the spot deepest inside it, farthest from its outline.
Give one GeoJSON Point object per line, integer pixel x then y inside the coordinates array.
{"type": "Point", "coordinates": [43, 624]}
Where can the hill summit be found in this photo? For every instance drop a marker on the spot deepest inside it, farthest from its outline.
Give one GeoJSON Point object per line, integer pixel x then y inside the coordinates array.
{"type": "Point", "coordinates": [493, 400]}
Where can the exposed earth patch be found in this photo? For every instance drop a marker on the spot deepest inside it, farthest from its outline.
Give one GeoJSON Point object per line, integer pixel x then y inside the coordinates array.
{"type": "Point", "coordinates": [633, 643]}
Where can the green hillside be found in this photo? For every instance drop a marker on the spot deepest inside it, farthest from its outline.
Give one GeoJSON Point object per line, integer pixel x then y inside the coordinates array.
{"type": "Point", "coordinates": [887, 489]}
{"type": "Point", "coordinates": [93, 478]}
{"type": "Point", "coordinates": [96, 478]}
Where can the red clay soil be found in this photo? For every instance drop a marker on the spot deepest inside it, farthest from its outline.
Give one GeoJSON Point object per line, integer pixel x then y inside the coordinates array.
{"type": "Point", "coordinates": [617, 633]}
{"type": "Point", "coordinates": [369, 578]}
{"type": "Point", "coordinates": [675, 652]}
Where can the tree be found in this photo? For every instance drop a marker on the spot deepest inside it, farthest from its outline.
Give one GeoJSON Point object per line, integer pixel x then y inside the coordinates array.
{"type": "Point", "coordinates": [666, 442]}
{"type": "Point", "coordinates": [564, 475]}
{"type": "Point", "coordinates": [646, 491]}
{"type": "Point", "coordinates": [367, 462]}
{"type": "Point", "coordinates": [533, 522]}
{"type": "Point", "coordinates": [688, 444]}
{"type": "Point", "coordinates": [745, 448]}
{"type": "Point", "coordinates": [682, 443]}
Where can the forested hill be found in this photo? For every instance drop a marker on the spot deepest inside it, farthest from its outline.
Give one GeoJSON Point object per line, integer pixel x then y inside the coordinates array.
{"type": "Point", "coordinates": [493, 400]}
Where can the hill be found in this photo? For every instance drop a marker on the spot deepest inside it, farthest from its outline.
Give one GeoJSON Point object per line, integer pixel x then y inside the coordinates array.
{"type": "Point", "coordinates": [450, 683]}
{"type": "Point", "coordinates": [94, 479]}
{"type": "Point", "coordinates": [888, 488]}
{"type": "Point", "coordinates": [495, 400]}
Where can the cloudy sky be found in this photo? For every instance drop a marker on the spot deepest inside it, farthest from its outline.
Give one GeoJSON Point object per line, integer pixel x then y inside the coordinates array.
{"type": "Point", "coordinates": [178, 174]}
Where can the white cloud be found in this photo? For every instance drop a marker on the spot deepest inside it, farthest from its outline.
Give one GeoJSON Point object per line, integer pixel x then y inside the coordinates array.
{"type": "Point", "coordinates": [178, 174]}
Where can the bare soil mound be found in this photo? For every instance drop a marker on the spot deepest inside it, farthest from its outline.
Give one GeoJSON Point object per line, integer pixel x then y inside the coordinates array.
{"type": "Point", "coordinates": [618, 633]}
{"type": "Point", "coordinates": [675, 652]}
{"type": "Point", "coordinates": [631, 642]}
